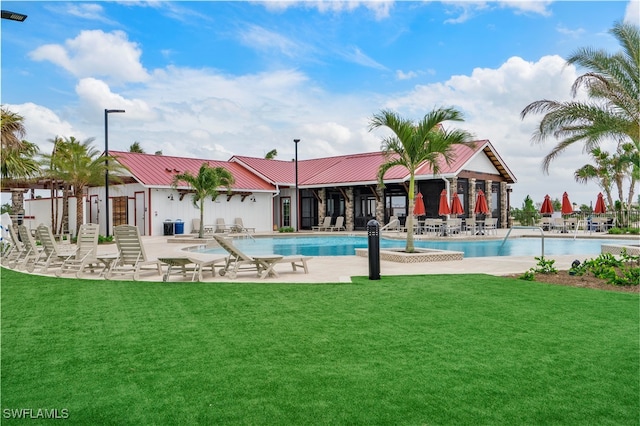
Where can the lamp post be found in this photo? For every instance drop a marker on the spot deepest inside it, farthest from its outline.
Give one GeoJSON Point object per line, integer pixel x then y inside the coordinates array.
{"type": "Point", "coordinates": [295, 141]}
{"type": "Point", "coordinates": [13, 16]}
{"type": "Point", "coordinates": [106, 162]}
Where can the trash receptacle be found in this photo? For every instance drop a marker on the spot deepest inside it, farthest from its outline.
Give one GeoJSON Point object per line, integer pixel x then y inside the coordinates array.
{"type": "Point", "coordinates": [179, 227]}
{"type": "Point", "coordinates": [373, 233]}
{"type": "Point", "coordinates": [168, 227]}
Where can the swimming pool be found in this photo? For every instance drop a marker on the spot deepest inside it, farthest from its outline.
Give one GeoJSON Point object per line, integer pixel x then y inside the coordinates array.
{"type": "Point", "coordinates": [346, 245]}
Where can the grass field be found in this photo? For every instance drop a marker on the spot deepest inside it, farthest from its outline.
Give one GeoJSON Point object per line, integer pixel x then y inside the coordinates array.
{"type": "Point", "coordinates": [445, 349]}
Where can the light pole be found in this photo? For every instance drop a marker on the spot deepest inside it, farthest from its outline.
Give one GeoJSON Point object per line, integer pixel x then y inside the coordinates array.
{"type": "Point", "coordinates": [106, 162]}
{"type": "Point", "coordinates": [295, 141]}
{"type": "Point", "coordinates": [13, 16]}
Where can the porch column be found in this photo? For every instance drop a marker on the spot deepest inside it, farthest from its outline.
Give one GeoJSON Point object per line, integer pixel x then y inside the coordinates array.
{"type": "Point", "coordinates": [489, 194]}
{"type": "Point", "coordinates": [17, 201]}
{"type": "Point", "coordinates": [504, 207]}
{"type": "Point", "coordinates": [322, 205]}
{"type": "Point", "coordinates": [472, 197]}
{"type": "Point", "coordinates": [349, 222]}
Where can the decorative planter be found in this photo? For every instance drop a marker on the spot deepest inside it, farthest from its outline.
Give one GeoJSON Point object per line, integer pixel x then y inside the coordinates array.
{"type": "Point", "coordinates": [419, 256]}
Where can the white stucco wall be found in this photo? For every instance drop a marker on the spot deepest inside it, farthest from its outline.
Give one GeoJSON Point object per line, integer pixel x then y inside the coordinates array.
{"type": "Point", "coordinates": [159, 206]}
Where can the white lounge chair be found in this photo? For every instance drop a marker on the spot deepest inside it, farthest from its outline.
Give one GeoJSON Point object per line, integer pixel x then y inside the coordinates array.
{"type": "Point", "coordinates": [192, 264]}
{"type": "Point", "coordinates": [53, 254]}
{"type": "Point", "coordinates": [392, 225]}
{"type": "Point", "coordinates": [238, 226]}
{"type": "Point", "coordinates": [15, 250]}
{"type": "Point", "coordinates": [195, 226]}
{"type": "Point", "coordinates": [324, 226]}
{"type": "Point", "coordinates": [339, 226]}
{"type": "Point", "coordinates": [221, 226]}
{"type": "Point", "coordinates": [263, 265]}
{"type": "Point", "coordinates": [31, 250]}
{"type": "Point", "coordinates": [491, 225]}
{"type": "Point", "coordinates": [131, 256]}
{"type": "Point", "coordinates": [85, 255]}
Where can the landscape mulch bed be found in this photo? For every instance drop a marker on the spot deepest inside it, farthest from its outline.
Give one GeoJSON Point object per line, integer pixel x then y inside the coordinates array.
{"type": "Point", "coordinates": [586, 281]}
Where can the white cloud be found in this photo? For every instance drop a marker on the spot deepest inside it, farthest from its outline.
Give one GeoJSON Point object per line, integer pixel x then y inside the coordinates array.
{"type": "Point", "coordinates": [96, 54]}
{"type": "Point", "coordinates": [539, 7]}
{"type": "Point", "coordinates": [572, 33]}
{"type": "Point", "coordinates": [357, 56]}
{"type": "Point", "coordinates": [91, 11]}
{"type": "Point", "coordinates": [260, 38]}
{"type": "Point", "coordinates": [43, 124]}
{"type": "Point", "coordinates": [401, 75]}
{"type": "Point", "coordinates": [465, 10]}
{"type": "Point", "coordinates": [380, 8]}
{"type": "Point", "coordinates": [95, 96]}
{"type": "Point", "coordinates": [203, 113]}
{"type": "Point", "coordinates": [491, 100]}
{"type": "Point", "coordinates": [632, 14]}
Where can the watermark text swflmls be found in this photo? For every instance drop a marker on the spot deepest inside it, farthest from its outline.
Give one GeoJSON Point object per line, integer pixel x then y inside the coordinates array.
{"type": "Point", "coordinates": [35, 413]}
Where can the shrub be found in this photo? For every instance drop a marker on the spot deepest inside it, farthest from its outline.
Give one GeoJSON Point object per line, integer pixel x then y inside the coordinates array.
{"type": "Point", "coordinates": [616, 271]}
{"type": "Point", "coordinates": [286, 229]}
{"type": "Point", "coordinates": [102, 239]}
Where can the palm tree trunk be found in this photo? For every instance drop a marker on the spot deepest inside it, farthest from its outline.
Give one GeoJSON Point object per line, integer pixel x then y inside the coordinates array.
{"type": "Point", "coordinates": [64, 224]}
{"type": "Point", "coordinates": [201, 230]}
{"type": "Point", "coordinates": [79, 210]}
{"type": "Point", "coordinates": [410, 248]}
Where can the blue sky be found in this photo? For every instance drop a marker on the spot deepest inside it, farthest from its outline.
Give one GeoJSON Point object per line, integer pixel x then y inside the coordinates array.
{"type": "Point", "coordinates": [214, 79]}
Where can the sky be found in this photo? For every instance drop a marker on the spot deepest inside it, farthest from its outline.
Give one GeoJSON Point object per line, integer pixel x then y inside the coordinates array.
{"type": "Point", "coordinates": [210, 80]}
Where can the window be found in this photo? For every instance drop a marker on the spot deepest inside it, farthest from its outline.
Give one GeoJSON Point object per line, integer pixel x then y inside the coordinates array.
{"type": "Point", "coordinates": [285, 211]}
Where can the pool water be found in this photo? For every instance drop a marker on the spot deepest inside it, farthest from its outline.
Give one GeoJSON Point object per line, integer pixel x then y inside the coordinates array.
{"type": "Point", "coordinates": [346, 245]}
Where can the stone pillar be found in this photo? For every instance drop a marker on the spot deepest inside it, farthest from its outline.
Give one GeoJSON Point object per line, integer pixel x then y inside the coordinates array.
{"type": "Point", "coordinates": [472, 197]}
{"type": "Point", "coordinates": [504, 207]}
{"type": "Point", "coordinates": [348, 206]}
{"type": "Point", "coordinates": [380, 205]}
{"type": "Point", "coordinates": [489, 194]}
{"type": "Point", "coordinates": [322, 205]}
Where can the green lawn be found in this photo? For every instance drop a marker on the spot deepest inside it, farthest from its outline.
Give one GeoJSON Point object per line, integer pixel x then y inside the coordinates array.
{"type": "Point", "coordinates": [444, 349]}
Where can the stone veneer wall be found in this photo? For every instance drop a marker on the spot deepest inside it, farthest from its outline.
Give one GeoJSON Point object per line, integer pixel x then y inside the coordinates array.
{"type": "Point", "coordinates": [349, 219]}
{"type": "Point", "coordinates": [504, 209]}
{"type": "Point", "coordinates": [322, 207]}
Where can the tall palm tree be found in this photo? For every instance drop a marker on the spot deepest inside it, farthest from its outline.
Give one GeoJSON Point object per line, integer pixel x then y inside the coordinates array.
{"type": "Point", "coordinates": [80, 165]}
{"type": "Point", "coordinates": [206, 183]}
{"type": "Point", "coordinates": [599, 171]}
{"type": "Point", "coordinates": [136, 147]}
{"type": "Point", "coordinates": [13, 129]}
{"type": "Point", "coordinates": [17, 154]}
{"type": "Point", "coordinates": [613, 110]}
{"type": "Point", "coordinates": [413, 144]}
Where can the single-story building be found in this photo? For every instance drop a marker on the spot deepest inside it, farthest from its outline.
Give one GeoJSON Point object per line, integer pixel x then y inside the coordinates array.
{"type": "Point", "coordinates": [264, 193]}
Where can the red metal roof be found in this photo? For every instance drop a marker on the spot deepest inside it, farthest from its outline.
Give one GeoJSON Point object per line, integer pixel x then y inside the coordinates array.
{"type": "Point", "coordinates": [158, 170]}
{"type": "Point", "coordinates": [256, 174]}
{"type": "Point", "coordinates": [362, 168]}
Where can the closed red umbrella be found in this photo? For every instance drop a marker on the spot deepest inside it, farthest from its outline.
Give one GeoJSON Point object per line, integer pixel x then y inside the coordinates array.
{"type": "Point", "coordinates": [443, 208]}
{"type": "Point", "coordinates": [547, 207]}
{"type": "Point", "coordinates": [481, 203]}
{"type": "Point", "coordinates": [567, 208]}
{"type": "Point", "coordinates": [418, 208]}
{"type": "Point", "coordinates": [456, 205]}
{"type": "Point", "coordinates": [600, 207]}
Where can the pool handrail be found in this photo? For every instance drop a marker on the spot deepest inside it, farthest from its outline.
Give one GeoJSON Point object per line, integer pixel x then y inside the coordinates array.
{"type": "Point", "coordinates": [524, 227]}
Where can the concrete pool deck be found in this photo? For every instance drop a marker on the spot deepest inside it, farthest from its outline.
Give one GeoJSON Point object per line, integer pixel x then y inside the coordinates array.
{"type": "Point", "coordinates": [339, 269]}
